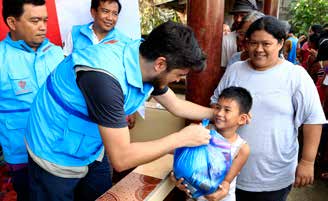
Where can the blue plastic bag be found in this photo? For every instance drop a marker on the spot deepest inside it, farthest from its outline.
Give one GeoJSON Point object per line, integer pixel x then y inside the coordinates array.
{"type": "Point", "coordinates": [204, 167]}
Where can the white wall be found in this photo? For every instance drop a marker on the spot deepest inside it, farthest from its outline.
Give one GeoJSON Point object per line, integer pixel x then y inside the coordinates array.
{"type": "Point", "coordinates": [72, 12]}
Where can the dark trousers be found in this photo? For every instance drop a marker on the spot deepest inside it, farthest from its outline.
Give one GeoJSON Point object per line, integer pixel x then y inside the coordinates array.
{"type": "Point", "coordinates": [46, 187]}
{"type": "Point", "coordinates": [19, 179]}
{"type": "Point", "coordinates": [279, 195]}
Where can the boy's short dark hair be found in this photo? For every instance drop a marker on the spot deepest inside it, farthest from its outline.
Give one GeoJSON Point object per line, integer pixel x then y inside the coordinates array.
{"type": "Point", "coordinates": [95, 4]}
{"type": "Point", "coordinates": [15, 7]}
{"type": "Point", "coordinates": [175, 42]}
{"type": "Point", "coordinates": [241, 96]}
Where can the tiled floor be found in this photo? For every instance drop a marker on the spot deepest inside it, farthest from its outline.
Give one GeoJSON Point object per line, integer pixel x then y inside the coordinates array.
{"type": "Point", "coordinates": [316, 192]}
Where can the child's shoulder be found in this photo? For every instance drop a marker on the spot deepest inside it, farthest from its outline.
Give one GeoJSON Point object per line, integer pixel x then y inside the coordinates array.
{"type": "Point", "coordinates": [240, 146]}
{"type": "Point", "coordinates": [244, 150]}
{"type": "Point", "coordinates": [240, 139]}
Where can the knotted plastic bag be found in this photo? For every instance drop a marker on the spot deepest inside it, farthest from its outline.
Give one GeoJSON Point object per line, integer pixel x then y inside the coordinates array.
{"type": "Point", "coordinates": [204, 167]}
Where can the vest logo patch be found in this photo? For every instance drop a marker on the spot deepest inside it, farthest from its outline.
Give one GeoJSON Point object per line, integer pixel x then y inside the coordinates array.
{"type": "Point", "coordinates": [22, 84]}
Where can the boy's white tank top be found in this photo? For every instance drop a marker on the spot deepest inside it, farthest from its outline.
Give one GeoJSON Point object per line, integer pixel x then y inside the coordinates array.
{"type": "Point", "coordinates": [235, 147]}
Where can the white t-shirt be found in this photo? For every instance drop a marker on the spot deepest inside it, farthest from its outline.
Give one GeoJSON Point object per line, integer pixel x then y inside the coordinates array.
{"type": "Point", "coordinates": [284, 98]}
{"type": "Point", "coordinates": [229, 47]}
{"type": "Point", "coordinates": [68, 42]}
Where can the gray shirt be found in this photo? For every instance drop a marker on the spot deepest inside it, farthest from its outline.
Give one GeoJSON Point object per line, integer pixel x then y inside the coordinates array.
{"type": "Point", "coordinates": [284, 98]}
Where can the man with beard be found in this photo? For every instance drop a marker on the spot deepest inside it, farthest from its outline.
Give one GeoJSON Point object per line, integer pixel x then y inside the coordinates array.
{"type": "Point", "coordinates": [27, 58]}
{"type": "Point", "coordinates": [80, 112]}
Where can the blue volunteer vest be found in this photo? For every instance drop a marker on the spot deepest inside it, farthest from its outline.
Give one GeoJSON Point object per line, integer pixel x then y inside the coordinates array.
{"type": "Point", "coordinates": [22, 73]}
{"type": "Point", "coordinates": [82, 36]}
{"type": "Point", "coordinates": [59, 129]}
{"type": "Point", "coordinates": [292, 54]}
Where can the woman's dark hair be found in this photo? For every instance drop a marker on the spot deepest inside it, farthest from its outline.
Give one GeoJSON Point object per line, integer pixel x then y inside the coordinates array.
{"type": "Point", "coordinates": [324, 34]}
{"type": "Point", "coordinates": [316, 28]}
{"type": "Point", "coordinates": [15, 7]}
{"type": "Point", "coordinates": [175, 42]}
{"type": "Point", "coordinates": [314, 39]}
{"type": "Point", "coordinates": [95, 4]}
{"type": "Point", "coordinates": [269, 24]}
{"type": "Point", "coordinates": [323, 46]}
{"type": "Point", "coordinates": [322, 51]}
{"type": "Point", "coordinates": [240, 95]}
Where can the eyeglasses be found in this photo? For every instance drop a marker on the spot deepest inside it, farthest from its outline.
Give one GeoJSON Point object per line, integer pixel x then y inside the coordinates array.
{"type": "Point", "coordinates": [264, 44]}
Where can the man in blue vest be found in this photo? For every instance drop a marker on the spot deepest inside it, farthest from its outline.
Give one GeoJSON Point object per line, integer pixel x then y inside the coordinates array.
{"type": "Point", "coordinates": [27, 58]}
{"type": "Point", "coordinates": [105, 14]}
{"type": "Point", "coordinates": [80, 112]}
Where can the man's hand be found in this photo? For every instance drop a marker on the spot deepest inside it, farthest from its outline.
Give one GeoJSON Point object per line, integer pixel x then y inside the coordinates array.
{"type": "Point", "coordinates": [193, 135]}
{"type": "Point", "coordinates": [222, 191]}
{"type": "Point", "coordinates": [304, 173]}
{"type": "Point", "coordinates": [249, 118]}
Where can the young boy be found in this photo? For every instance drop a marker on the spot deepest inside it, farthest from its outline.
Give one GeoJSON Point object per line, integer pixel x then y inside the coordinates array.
{"type": "Point", "coordinates": [231, 112]}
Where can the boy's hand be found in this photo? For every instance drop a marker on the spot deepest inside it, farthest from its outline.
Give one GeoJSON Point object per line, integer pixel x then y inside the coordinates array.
{"type": "Point", "coordinates": [179, 184]}
{"type": "Point", "coordinates": [220, 193]}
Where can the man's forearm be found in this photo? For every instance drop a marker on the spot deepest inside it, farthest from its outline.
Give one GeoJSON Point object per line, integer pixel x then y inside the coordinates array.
{"type": "Point", "coordinates": [125, 154]}
{"type": "Point", "coordinates": [182, 108]}
{"type": "Point", "coordinates": [193, 111]}
{"type": "Point", "coordinates": [143, 152]}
